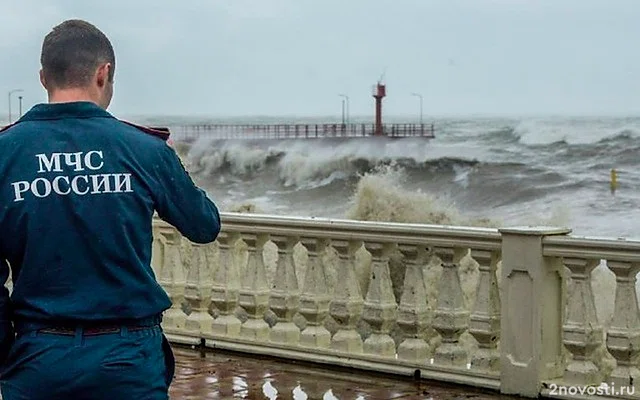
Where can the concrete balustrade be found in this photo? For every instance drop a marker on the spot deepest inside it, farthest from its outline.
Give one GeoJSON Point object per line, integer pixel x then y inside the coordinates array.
{"type": "Point", "coordinates": [511, 310]}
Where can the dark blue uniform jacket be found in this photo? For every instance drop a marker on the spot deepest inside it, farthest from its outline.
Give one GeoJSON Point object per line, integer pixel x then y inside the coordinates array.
{"type": "Point", "coordinates": [78, 190]}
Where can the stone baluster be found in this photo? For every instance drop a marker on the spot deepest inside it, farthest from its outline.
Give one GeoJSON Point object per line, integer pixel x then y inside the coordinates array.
{"type": "Point", "coordinates": [582, 332]}
{"type": "Point", "coordinates": [285, 296]}
{"type": "Point", "coordinates": [346, 306]}
{"type": "Point", "coordinates": [173, 280]}
{"type": "Point", "coordinates": [314, 301]}
{"type": "Point", "coordinates": [451, 318]}
{"type": "Point", "coordinates": [254, 290]}
{"type": "Point", "coordinates": [198, 290]}
{"type": "Point", "coordinates": [485, 319]}
{"type": "Point", "coordinates": [413, 312]}
{"type": "Point", "coordinates": [623, 336]}
{"type": "Point", "coordinates": [380, 305]}
{"type": "Point", "coordinates": [226, 286]}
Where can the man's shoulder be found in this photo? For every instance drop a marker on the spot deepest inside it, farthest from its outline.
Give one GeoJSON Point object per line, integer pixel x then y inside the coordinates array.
{"type": "Point", "coordinates": [9, 132]}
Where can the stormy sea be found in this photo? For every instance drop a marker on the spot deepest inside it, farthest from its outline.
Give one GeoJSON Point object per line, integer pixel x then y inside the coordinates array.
{"type": "Point", "coordinates": [477, 171]}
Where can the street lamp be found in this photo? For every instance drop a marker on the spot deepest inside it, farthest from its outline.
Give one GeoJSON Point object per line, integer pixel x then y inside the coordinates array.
{"type": "Point", "coordinates": [347, 99]}
{"type": "Point", "coordinates": [419, 96]}
{"type": "Point", "coordinates": [10, 93]}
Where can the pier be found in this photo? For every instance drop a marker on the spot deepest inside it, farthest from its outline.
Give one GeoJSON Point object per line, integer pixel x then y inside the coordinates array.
{"type": "Point", "coordinates": [191, 133]}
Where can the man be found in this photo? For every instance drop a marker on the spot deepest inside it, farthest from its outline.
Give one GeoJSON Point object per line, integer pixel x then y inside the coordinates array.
{"type": "Point", "coordinates": [78, 191]}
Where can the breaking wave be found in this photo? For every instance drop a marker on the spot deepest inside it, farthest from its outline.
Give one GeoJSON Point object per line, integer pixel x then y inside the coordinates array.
{"type": "Point", "coordinates": [372, 181]}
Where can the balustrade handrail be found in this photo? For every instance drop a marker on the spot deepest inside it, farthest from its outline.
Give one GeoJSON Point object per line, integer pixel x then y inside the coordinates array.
{"type": "Point", "coordinates": [387, 232]}
{"type": "Point", "coordinates": [592, 248]}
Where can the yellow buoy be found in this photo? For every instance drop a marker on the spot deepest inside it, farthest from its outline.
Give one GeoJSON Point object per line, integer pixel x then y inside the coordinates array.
{"type": "Point", "coordinates": [614, 180]}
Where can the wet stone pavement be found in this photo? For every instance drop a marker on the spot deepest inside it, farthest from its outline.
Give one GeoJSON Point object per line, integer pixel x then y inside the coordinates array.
{"type": "Point", "coordinates": [220, 375]}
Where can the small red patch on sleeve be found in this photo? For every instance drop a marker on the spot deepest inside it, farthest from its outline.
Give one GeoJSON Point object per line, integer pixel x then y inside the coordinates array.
{"type": "Point", "coordinates": [162, 133]}
{"type": "Point", "coordinates": [4, 128]}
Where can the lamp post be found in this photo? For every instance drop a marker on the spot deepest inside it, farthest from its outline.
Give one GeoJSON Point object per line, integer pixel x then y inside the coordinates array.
{"type": "Point", "coordinates": [10, 93]}
{"type": "Point", "coordinates": [347, 113]}
{"type": "Point", "coordinates": [420, 97]}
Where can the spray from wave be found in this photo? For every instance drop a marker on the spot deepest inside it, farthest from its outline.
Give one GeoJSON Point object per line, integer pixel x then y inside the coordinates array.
{"type": "Point", "coordinates": [379, 196]}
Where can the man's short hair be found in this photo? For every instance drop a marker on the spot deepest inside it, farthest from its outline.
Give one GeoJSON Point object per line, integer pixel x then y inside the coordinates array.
{"type": "Point", "coordinates": [72, 52]}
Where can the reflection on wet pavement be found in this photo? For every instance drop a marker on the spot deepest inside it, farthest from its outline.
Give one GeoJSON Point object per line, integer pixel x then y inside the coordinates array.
{"type": "Point", "coordinates": [230, 376]}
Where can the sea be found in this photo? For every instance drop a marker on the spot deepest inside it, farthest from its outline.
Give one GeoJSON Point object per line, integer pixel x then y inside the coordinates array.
{"type": "Point", "coordinates": [477, 171]}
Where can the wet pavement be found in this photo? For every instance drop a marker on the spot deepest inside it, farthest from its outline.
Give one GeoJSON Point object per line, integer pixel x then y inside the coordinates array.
{"type": "Point", "coordinates": [230, 376]}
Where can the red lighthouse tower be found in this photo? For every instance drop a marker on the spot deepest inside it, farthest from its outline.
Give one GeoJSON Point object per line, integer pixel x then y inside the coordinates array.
{"type": "Point", "coordinates": [379, 92]}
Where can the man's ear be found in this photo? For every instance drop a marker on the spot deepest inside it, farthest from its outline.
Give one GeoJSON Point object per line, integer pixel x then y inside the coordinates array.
{"type": "Point", "coordinates": [102, 75]}
{"type": "Point", "coordinates": [43, 81]}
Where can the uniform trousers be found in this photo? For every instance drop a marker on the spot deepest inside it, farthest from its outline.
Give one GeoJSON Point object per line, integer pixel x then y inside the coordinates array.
{"type": "Point", "coordinates": [126, 365]}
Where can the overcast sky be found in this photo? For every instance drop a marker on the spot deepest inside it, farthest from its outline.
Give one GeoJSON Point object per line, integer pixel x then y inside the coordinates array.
{"type": "Point", "coordinates": [294, 57]}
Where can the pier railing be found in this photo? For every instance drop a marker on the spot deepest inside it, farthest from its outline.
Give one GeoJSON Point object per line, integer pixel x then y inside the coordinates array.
{"type": "Point", "coordinates": [300, 131]}
{"type": "Point", "coordinates": [511, 309]}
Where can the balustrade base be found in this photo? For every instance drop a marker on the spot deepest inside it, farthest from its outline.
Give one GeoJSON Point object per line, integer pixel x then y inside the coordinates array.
{"type": "Point", "coordinates": [450, 354]}
{"type": "Point", "coordinates": [380, 344]}
{"type": "Point", "coordinates": [255, 329]}
{"type": "Point", "coordinates": [174, 318]}
{"type": "Point", "coordinates": [285, 333]}
{"type": "Point", "coordinates": [199, 322]}
{"type": "Point", "coordinates": [624, 376]}
{"type": "Point", "coordinates": [348, 341]}
{"type": "Point", "coordinates": [315, 336]}
{"type": "Point", "coordinates": [582, 372]}
{"type": "Point", "coordinates": [413, 349]}
{"type": "Point", "coordinates": [338, 359]}
{"type": "Point", "coordinates": [486, 359]}
{"type": "Point", "coordinates": [177, 337]}
{"type": "Point", "coordinates": [226, 325]}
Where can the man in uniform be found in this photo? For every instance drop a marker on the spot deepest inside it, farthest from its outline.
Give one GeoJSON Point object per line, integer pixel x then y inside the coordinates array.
{"type": "Point", "coordinates": [78, 191]}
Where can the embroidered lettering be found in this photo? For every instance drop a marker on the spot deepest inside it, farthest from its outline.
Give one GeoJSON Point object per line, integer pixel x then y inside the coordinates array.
{"type": "Point", "coordinates": [42, 190]}
{"type": "Point", "coordinates": [74, 160]}
{"type": "Point", "coordinates": [64, 185]}
{"type": "Point", "coordinates": [123, 183]}
{"type": "Point", "coordinates": [56, 185]}
{"type": "Point", "coordinates": [87, 160]}
{"type": "Point", "coordinates": [100, 182]}
{"type": "Point", "coordinates": [19, 188]}
{"type": "Point", "coordinates": [76, 189]}
{"type": "Point", "coordinates": [48, 164]}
